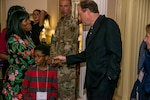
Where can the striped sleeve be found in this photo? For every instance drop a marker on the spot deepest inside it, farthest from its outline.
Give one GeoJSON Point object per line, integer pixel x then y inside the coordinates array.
{"type": "Point", "coordinates": [54, 89]}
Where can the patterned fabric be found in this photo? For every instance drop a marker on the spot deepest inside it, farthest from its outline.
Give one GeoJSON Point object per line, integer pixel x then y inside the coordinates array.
{"type": "Point", "coordinates": [65, 42]}
{"type": "Point", "coordinates": [47, 82]}
{"type": "Point", "coordinates": [20, 59]}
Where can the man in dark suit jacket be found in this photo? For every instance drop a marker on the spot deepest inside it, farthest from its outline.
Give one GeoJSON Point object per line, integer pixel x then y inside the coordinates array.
{"type": "Point", "coordinates": [102, 55]}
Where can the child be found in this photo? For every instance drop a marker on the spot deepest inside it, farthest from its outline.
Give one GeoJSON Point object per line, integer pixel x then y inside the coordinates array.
{"type": "Point", "coordinates": [40, 82]}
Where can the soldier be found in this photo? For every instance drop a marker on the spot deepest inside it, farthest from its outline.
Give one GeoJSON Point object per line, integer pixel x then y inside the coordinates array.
{"type": "Point", "coordinates": [65, 42]}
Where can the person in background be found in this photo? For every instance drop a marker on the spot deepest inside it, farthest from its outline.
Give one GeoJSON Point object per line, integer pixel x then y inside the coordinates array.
{"type": "Point", "coordinates": [138, 91]}
{"type": "Point", "coordinates": [65, 42]}
{"type": "Point", "coordinates": [40, 78]}
{"type": "Point", "coordinates": [37, 24]}
{"type": "Point", "coordinates": [3, 43]}
{"type": "Point", "coordinates": [146, 65]}
{"type": "Point", "coordinates": [20, 53]}
{"type": "Point", "coordinates": [102, 54]}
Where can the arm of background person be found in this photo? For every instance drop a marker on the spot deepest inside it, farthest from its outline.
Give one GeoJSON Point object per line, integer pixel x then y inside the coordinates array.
{"type": "Point", "coordinates": [42, 16]}
{"type": "Point", "coordinates": [3, 56]}
{"type": "Point", "coordinates": [141, 58]}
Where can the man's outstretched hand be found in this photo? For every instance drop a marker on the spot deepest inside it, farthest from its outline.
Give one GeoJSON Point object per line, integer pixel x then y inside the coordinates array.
{"type": "Point", "coordinates": [59, 59]}
{"type": "Point", "coordinates": [56, 61]}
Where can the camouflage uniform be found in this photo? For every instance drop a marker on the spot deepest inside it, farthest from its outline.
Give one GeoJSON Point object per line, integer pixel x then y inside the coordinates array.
{"type": "Point", "coordinates": [65, 42]}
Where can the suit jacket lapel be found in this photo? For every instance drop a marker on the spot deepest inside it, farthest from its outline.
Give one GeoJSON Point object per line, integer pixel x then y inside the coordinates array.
{"type": "Point", "coordinates": [97, 26]}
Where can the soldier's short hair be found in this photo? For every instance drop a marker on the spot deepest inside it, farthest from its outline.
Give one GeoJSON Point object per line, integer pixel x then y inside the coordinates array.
{"type": "Point", "coordinates": [70, 2]}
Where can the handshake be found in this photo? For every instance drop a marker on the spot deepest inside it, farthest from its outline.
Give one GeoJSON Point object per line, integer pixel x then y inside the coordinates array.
{"type": "Point", "coordinates": [57, 60]}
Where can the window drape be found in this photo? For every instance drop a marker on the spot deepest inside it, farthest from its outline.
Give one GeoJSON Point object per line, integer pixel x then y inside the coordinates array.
{"type": "Point", "coordinates": [132, 17]}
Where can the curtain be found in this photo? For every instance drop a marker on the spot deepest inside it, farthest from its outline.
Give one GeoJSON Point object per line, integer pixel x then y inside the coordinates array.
{"type": "Point", "coordinates": [132, 17]}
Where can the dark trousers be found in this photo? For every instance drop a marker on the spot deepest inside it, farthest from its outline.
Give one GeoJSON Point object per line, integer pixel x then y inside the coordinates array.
{"type": "Point", "coordinates": [104, 91]}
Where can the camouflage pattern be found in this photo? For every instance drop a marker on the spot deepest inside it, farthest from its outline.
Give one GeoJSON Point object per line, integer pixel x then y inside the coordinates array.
{"type": "Point", "coordinates": [65, 42]}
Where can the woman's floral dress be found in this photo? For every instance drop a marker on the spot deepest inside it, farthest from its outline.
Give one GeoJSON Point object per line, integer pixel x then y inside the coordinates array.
{"type": "Point", "coordinates": [20, 54]}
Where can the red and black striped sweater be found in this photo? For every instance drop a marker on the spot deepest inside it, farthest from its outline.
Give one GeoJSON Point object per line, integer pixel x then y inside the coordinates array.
{"type": "Point", "coordinates": [46, 84]}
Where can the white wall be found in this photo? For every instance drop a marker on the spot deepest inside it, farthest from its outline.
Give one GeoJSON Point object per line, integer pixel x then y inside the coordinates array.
{"type": "Point", "coordinates": [29, 5]}
{"type": "Point", "coordinates": [51, 6]}
{"type": "Point", "coordinates": [102, 6]}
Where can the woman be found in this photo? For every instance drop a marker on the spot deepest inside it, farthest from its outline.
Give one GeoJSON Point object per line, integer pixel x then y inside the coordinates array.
{"type": "Point", "coordinates": [3, 43]}
{"type": "Point", "coordinates": [37, 24]}
{"type": "Point", "coordinates": [20, 49]}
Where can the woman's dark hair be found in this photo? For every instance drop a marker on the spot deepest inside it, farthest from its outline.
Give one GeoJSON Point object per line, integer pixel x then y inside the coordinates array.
{"type": "Point", "coordinates": [43, 48]}
{"type": "Point", "coordinates": [14, 24]}
{"type": "Point", "coordinates": [90, 4]}
{"type": "Point", "coordinates": [13, 9]}
{"type": "Point", "coordinates": [48, 17]}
